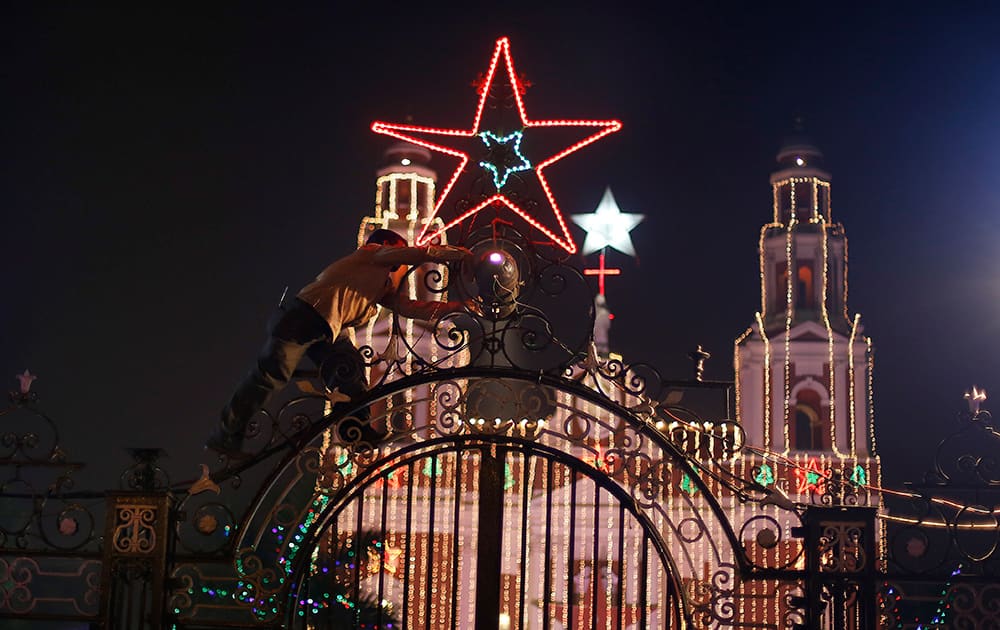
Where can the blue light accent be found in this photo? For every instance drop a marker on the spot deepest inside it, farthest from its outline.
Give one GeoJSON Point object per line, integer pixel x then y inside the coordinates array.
{"type": "Point", "coordinates": [490, 139]}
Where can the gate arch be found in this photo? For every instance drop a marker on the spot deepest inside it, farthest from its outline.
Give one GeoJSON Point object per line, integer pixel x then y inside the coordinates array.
{"type": "Point", "coordinates": [501, 479]}
{"type": "Point", "coordinates": [519, 390]}
{"type": "Point", "coordinates": [319, 501]}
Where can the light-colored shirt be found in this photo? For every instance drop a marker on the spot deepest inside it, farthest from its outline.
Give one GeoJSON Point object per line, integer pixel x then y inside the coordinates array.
{"type": "Point", "coordinates": [346, 293]}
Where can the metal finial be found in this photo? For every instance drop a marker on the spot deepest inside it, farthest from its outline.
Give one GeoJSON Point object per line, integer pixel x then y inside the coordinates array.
{"type": "Point", "coordinates": [699, 356]}
{"type": "Point", "coordinates": [975, 397]}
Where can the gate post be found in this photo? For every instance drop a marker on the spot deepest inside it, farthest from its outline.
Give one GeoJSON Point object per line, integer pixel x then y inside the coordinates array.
{"type": "Point", "coordinates": [841, 567]}
{"type": "Point", "coordinates": [488, 562]}
{"type": "Point", "coordinates": [137, 545]}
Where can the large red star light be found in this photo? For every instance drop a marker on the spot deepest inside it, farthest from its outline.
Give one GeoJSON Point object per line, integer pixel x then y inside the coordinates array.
{"type": "Point", "coordinates": [557, 231]}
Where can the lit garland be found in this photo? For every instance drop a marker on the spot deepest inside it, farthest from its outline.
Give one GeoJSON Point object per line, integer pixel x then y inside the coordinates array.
{"type": "Point", "coordinates": [871, 407]}
{"type": "Point", "coordinates": [387, 206]}
{"type": "Point", "coordinates": [850, 379]}
{"type": "Point", "coordinates": [411, 133]}
{"type": "Point", "coordinates": [767, 380]}
{"type": "Point", "coordinates": [829, 337]}
{"type": "Point", "coordinates": [491, 140]}
{"type": "Point", "coordinates": [736, 370]}
{"type": "Point", "coordinates": [789, 314]}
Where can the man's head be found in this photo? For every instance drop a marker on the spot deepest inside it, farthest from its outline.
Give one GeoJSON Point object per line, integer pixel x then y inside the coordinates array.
{"type": "Point", "coordinates": [382, 236]}
{"type": "Point", "coordinates": [388, 238]}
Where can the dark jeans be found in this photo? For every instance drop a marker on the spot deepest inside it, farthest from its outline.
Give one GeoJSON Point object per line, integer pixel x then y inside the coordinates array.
{"type": "Point", "coordinates": [296, 330]}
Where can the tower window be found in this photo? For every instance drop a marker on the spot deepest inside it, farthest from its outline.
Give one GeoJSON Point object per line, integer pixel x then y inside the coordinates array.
{"type": "Point", "coordinates": [778, 298]}
{"type": "Point", "coordinates": [805, 296]}
{"type": "Point", "coordinates": [803, 201]}
{"type": "Point", "coordinates": [823, 201]}
{"type": "Point", "coordinates": [421, 201]}
{"type": "Point", "coordinates": [784, 201]}
{"type": "Point", "coordinates": [809, 431]}
{"type": "Point", "coordinates": [383, 194]}
{"type": "Point", "coordinates": [403, 194]}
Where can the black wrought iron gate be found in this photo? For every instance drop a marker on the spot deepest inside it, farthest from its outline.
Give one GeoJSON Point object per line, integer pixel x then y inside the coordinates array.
{"type": "Point", "coordinates": [497, 475]}
{"type": "Point", "coordinates": [480, 533]}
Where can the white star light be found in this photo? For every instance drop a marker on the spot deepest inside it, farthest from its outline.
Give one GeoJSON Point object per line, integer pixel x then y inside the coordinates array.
{"type": "Point", "coordinates": [608, 226]}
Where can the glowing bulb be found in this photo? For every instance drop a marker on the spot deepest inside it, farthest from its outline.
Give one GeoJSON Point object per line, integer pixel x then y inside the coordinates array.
{"type": "Point", "coordinates": [406, 162]}
{"type": "Point", "coordinates": [799, 161]}
{"type": "Point", "coordinates": [496, 258]}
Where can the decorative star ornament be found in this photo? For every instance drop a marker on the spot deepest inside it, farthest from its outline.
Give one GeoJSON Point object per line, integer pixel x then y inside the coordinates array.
{"type": "Point", "coordinates": [608, 226]}
{"type": "Point", "coordinates": [810, 478]}
{"type": "Point", "coordinates": [503, 156]}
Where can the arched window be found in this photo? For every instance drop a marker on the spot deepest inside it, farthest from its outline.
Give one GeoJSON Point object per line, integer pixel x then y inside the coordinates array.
{"type": "Point", "coordinates": [809, 430]}
{"type": "Point", "coordinates": [806, 297]}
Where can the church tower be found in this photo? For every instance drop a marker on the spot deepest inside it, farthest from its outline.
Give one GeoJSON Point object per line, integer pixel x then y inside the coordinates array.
{"type": "Point", "coordinates": [803, 368]}
{"type": "Point", "coordinates": [404, 192]}
{"type": "Point", "coordinates": [404, 202]}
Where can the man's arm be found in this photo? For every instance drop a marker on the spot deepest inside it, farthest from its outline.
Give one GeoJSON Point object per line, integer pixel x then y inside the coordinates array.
{"type": "Point", "coordinates": [418, 309]}
{"type": "Point", "coordinates": [389, 255]}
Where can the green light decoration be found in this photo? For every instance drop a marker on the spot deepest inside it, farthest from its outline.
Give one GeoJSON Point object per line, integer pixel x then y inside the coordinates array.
{"type": "Point", "coordinates": [508, 477]}
{"type": "Point", "coordinates": [430, 470]}
{"type": "Point", "coordinates": [503, 156]}
{"type": "Point", "coordinates": [859, 477]}
{"type": "Point", "coordinates": [765, 475]}
{"type": "Point", "coordinates": [688, 485]}
{"type": "Point", "coordinates": [330, 599]}
{"type": "Point", "coordinates": [345, 464]}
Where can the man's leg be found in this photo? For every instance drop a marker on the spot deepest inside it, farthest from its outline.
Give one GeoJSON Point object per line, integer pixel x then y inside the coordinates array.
{"type": "Point", "coordinates": [296, 329]}
{"type": "Point", "coordinates": [342, 367]}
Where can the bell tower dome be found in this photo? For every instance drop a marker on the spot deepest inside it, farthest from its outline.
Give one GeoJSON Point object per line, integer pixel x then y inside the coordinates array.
{"type": "Point", "coordinates": [803, 251]}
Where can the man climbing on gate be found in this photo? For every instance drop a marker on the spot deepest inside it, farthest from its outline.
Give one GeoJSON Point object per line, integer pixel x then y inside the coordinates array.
{"type": "Point", "coordinates": [343, 296]}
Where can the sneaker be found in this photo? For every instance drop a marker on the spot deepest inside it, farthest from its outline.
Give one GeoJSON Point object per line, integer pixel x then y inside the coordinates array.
{"type": "Point", "coordinates": [228, 444]}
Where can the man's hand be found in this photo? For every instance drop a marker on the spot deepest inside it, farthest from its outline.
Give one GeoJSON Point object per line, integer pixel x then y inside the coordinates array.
{"type": "Point", "coordinates": [473, 306]}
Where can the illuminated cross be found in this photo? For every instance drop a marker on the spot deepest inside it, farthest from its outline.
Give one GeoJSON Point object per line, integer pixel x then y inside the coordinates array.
{"type": "Point", "coordinates": [600, 272]}
{"type": "Point", "coordinates": [607, 227]}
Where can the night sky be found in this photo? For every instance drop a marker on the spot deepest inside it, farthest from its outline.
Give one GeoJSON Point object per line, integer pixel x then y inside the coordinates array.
{"type": "Point", "coordinates": [167, 172]}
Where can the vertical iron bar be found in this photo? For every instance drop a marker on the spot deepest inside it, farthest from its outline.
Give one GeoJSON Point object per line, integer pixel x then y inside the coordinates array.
{"type": "Point", "coordinates": [357, 558]}
{"type": "Point", "coordinates": [409, 521]}
{"type": "Point", "coordinates": [570, 605]}
{"type": "Point", "coordinates": [491, 541]}
{"type": "Point", "coordinates": [643, 561]}
{"type": "Point", "coordinates": [525, 498]}
{"type": "Point", "coordinates": [127, 594]}
{"type": "Point", "coordinates": [456, 528]}
{"type": "Point", "coordinates": [144, 603]}
{"type": "Point", "coordinates": [597, 550]}
{"type": "Point", "coordinates": [547, 582]}
{"type": "Point", "coordinates": [429, 587]}
{"type": "Point", "coordinates": [621, 566]}
{"type": "Point", "coordinates": [382, 549]}
{"type": "Point", "coordinates": [672, 596]}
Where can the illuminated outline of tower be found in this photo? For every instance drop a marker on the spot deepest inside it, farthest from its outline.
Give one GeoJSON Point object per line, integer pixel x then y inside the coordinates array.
{"type": "Point", "coordinates": [804, 367]}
